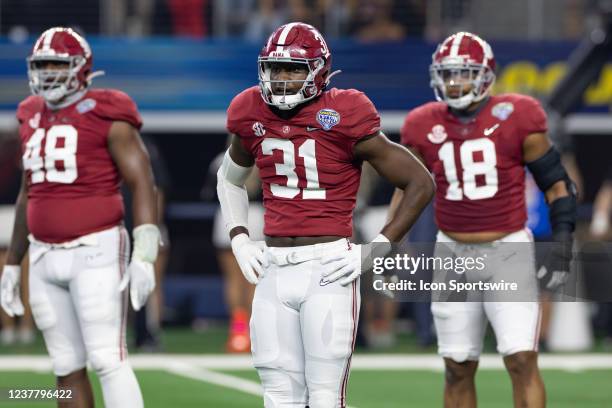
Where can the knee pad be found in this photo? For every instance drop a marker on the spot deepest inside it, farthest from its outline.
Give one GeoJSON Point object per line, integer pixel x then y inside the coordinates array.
{"type": "Point", "coordinates": [322, 399]}
{"type": "Point", "coordinates": [65, 364]}
{"type": "Point", "coordinates": [283, 389]}
{"type": "Point", "coordinates": [460, 356]}
{"type": "Point", "coordinates": [105, 361]}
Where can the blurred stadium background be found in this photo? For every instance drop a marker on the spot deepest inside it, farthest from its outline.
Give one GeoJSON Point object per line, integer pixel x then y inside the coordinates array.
{"type": "Point", "coordinates": [183, 61]}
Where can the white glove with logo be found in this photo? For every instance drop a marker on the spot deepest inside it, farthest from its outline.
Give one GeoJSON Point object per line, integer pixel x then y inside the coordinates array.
{"type": "Point", "coordinates": [347, 265]}
{"type": "Point", "coordinates": [141, 272]}
{"type": "Point", "coordinates": [250, 257]}
{"type": "Point", "coordinates": [10, 296]}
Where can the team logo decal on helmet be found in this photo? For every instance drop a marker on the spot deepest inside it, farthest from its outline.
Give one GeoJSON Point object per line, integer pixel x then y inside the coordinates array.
{"type": "Point", "coordinates": [503, 110]}
{"type": "Point", "coordinates": [437, 135]}
{"type": "Point", "coordinates": [60, 45]}
{"type": "Point", "coordinates": [295, 43]}
{"type": "Point", "coordinates": [462, 58]}
{"type": "Point", "coordinates": [328, 118]}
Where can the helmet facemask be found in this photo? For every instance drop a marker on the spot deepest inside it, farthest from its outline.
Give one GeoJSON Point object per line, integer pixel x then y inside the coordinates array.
{"type": "Point", "coordinates": [286, 100]}
{"type": "Point", "coordinates": [456, 75]}
{"type": "Point", "coordinates": [57, 83]}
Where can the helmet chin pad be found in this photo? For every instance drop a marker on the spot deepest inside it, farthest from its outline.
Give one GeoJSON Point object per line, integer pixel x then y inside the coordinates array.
{"type": "Point", "coordinates": [460, 103]}
{"type": "Point", "coordinates": [54, 95]}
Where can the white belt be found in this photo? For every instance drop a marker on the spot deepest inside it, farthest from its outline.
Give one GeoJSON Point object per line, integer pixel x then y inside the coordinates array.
{"type": "Point", "coordinates": [40, 248]}
{"type": "Point", "coordinates": [282, 256]}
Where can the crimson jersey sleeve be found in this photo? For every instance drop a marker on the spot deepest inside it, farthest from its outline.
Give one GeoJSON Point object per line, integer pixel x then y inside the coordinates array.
{"type": "Point", "coordinates": [114, 105]}
{"type": "Point", "coordinates": [532, 116]}
{"type": "Point", "coordinates": [236, 110]}
{"type": "Point", "coordinates": [359, 115]}
{"type": "Point", "coordinates": [29, 107]}
{"type": "Point", "coordinates": [408, 130]}
{"type": "Point", "coordinates": [239, 114]}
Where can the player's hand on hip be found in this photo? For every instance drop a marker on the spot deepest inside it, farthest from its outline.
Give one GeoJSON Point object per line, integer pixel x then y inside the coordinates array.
{"type": "Point", "coordinates": [346, 266]}
{"type": "Point", "coordinates": [555, 272]}
{"type": "Point", "coordinates": [250, 257]}
{"type": "Point", "coordinates": [141, 276]}
{"type": "Point", "coordinates": [10, 296]}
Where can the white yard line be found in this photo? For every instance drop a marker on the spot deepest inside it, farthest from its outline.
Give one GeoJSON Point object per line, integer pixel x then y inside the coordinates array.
{"type": "Point", "coordinates": [221, 379]}
{"type": "Point", "coordinates": [570, 362]}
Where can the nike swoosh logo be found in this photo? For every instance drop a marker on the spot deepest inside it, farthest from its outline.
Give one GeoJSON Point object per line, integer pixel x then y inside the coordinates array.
{"type": "Point", "coordinates": [324, 282]}
{"type": "Point", "coordinates": [489, 131]}
{"type": "Point", "coordinates": [311, 129]}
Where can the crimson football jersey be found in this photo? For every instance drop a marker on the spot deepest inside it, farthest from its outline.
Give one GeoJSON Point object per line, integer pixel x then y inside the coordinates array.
{"type": "Point", "coordinates": [309, 175]}
{"type": "Point", "coordinates": [73, 183]}
{"type": "Point", "coordinates": [478, 165]}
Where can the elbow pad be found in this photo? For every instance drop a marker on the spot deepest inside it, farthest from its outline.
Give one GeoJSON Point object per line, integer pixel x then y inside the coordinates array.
{"type": "Point", "coordinates": [547, 170]}
{"type": "Point", "coordinates": [232, 193]}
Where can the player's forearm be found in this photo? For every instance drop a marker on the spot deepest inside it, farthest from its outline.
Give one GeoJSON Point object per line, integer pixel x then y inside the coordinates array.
{"type": "Point", "coordinates": [396, 198]}
{"type": "Point", "coordinates": [416, 195]}
{"type": "Point", "coordinates": [556, 191]}
{"type": "Point", "coordinates": [19, 240]}
{"type": "Point", "coordinates": [144, 205]}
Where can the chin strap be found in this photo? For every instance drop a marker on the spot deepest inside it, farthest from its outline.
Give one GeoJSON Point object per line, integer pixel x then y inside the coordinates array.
{"type": "Point", "coordinates": [336, 72]}
{"type": "Point", "coordinates": [95, 75]}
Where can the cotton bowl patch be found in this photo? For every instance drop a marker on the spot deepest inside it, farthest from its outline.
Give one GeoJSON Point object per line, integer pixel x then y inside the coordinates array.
{"type": "Point", "coordinates": [328, 118]}
{"type": "Point", "coordinates": [503, 110]}
{"type": "Point", "coordinates": [86, 106]}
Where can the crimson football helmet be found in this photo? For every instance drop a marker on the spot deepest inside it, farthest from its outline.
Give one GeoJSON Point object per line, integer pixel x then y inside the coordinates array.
{"type": "Point", "coordinates": [295, 43]}
{"type": "Point", "coordinates": [462, 58]}
{"type": "Point", "coordinates": [60, 44]}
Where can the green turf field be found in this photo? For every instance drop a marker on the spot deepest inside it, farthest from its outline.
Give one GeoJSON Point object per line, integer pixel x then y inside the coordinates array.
{"type": "Point", "coordinates": [368, 388]}
{"type": "Point", "coordinates": [405, 376]}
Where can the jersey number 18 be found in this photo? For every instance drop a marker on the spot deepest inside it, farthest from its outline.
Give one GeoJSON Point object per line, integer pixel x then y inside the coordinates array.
{"type": "Point", "coordinates": [471, 168]}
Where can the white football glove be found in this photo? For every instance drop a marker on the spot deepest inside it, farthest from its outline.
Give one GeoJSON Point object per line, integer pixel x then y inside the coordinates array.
{"type": "Point", "coordinates": [250, 257]}
{"type": "Point", "coordinates": [10, 296]}
{"type": "Point", "coordinates": [347, 265]}
{"type": "Point", "coordinates": [142, 277]}
{"type": "Point", "coordinates": [141, 272]}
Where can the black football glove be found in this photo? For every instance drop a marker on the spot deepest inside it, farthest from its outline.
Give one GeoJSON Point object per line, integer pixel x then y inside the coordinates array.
{"type": "Point", "coordinates": [555, 271]}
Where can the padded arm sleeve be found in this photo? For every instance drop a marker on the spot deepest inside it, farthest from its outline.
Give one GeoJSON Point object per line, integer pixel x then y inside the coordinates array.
{"type": "Point", "coordinates": [232, 193]}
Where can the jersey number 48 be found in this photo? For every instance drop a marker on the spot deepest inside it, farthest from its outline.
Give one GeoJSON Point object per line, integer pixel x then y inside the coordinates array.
{"type": "Point", "coordinates": [45, 167]}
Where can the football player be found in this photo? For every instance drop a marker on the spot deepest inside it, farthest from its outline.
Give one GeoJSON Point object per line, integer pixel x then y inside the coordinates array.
{"type": "Point", "coordinates": [78, 144]}
{"type": "Point", "coordinates": [308, 142]}
{"type": "Point", "coordinates": [477, 146]}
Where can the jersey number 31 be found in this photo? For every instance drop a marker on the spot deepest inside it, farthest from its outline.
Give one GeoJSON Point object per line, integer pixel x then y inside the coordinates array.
{"type": "Point", "coordinates": [287, 168]}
